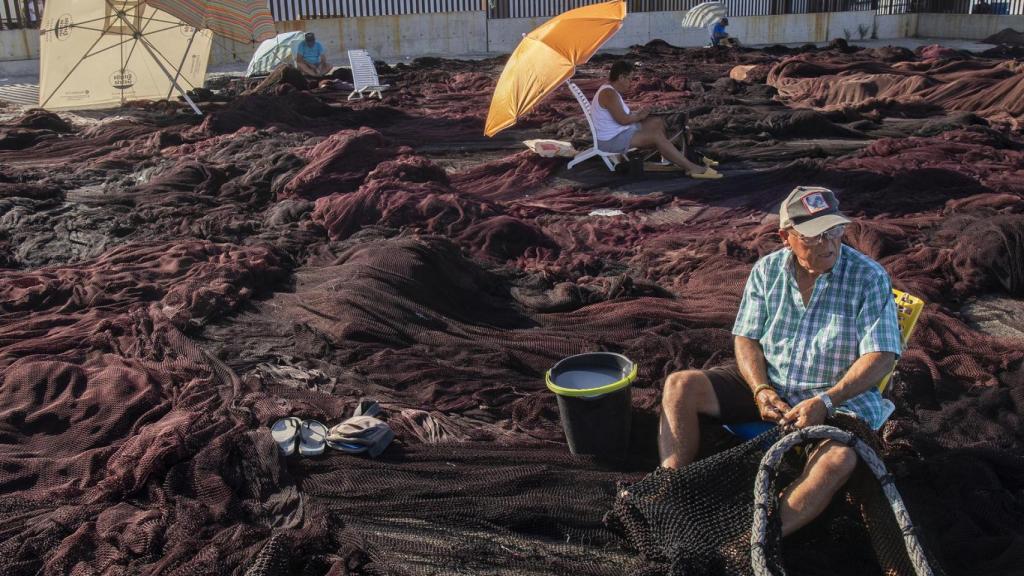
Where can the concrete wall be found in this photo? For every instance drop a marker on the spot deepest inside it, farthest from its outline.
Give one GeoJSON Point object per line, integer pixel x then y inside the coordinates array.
{"type": "Point", "coordinates": [19, 45]}
{"type": "Point", "coordinates": [388, 37]}
{"type": "Point", "coordinates": [642, 27]}
{"type": "Point", "coordinates": [965, 26]}
{"type": "Point", "coordinates": [897, 26]}
{"type": "Point", "coordinates": [639, 28]}
{"type": "Point", "coordinates": [465, 33]}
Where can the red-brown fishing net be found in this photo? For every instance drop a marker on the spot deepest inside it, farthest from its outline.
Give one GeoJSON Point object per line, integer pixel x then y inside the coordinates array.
{"type": "Point", "coordinates": [172, 286]}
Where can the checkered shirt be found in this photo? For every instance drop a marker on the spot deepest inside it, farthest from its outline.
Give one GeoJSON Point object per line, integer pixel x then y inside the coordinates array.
{"type": "Point", "coordinates": [851, 313]}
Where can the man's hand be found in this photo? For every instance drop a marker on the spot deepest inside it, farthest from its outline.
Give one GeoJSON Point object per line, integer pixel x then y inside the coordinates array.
{"type": "Point", "coordinates": [810, 412]}
{"type": "Point", "coordinates": [771, 406]}
{"type": "Point", "coordinates": [642, 114]}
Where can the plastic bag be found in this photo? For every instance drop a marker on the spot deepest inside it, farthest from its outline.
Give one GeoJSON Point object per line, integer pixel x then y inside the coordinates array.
{"type": "Point", "coordinates": [551, 148]}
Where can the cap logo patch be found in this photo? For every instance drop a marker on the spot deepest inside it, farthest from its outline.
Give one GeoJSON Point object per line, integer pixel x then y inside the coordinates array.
{"type": "Point", "coordinates": [815, 203]}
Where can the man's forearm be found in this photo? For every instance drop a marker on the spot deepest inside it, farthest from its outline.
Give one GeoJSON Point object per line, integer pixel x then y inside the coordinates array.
{"type": "Point", "coordinates": [751, 362]}
{"type": "Point", "coordinates": [865, 374]}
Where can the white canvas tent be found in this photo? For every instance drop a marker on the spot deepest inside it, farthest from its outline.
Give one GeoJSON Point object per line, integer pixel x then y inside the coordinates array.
{"type": "Point", "coordinates": [102, 53]}
{"type": "Point", "coordinates": [273, 52]}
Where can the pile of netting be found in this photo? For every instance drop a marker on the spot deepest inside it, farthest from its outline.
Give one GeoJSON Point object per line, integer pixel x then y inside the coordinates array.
{"type": "Point", "coordinates": [172, 285]}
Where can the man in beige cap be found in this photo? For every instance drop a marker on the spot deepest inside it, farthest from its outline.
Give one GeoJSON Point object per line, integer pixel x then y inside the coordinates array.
{"type": "Point", "coordinates": [815, 333]}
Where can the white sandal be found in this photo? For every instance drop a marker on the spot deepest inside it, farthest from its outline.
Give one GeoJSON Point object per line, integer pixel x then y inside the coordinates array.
{"type": "Point", "coordinates": [284, 432]}
{"type": "Point", "coordinates": [312, 438]}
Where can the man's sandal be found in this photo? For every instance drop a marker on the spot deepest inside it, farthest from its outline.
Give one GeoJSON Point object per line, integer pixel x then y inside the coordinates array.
{"type": "Point", "coordinates": [709, 162]}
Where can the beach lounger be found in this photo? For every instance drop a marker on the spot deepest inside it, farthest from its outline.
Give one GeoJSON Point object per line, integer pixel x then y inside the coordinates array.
{"type": "Point", "coordinates": [364, 76]}
{"type": "Point", "coordinates": [611, 159]}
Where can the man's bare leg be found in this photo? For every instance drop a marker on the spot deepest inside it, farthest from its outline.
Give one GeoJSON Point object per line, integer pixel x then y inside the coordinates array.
{"type": "Point", "coordinates": [306, 69]}
{"type": "Point", "coordinates": [828, 468]}
{"type": "Point", "coordinates": [686, 394]}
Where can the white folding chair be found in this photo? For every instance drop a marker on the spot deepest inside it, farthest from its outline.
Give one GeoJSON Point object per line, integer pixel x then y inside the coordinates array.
{"type": "Point", "coordinates": [611, 159]}
{"type": "Point", "coordinates": [364, 76]}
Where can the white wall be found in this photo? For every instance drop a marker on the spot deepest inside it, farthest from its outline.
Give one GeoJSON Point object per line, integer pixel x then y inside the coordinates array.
{"type": "Point", "coordinates": [965, 26]}
{"type": "Point", "coordinates": [466, 33]}
{"type": "Point", "coordinates": [395, 37]}
{"type": "Point", "coordinates": [897, 26]}
{"type": "Point", "coordinates": [19, 45]}
{"type": "Point", "coordinates": [642, 27]}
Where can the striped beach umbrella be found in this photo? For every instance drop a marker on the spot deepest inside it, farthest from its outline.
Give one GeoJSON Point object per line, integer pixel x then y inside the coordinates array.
{"type": "Point", "coordinates": [241, 20]}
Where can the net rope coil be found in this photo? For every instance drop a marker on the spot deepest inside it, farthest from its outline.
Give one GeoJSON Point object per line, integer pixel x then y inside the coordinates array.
{"type": "Point", "coordinates": [765, 482]}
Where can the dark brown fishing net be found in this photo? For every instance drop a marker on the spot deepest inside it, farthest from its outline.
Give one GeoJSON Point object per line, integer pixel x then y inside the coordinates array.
{"type": "Point", "coordinates": [173, 285]}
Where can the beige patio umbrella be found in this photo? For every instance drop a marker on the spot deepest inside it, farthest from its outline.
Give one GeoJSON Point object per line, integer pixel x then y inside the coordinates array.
{"type": "Point", "coordinates": [101, 53]}
{"type": "Point", "coordinates": [96, 53]}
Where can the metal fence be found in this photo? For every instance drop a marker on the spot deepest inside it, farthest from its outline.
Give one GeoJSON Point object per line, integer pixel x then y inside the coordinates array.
{"type": "Point", "coordinates": [20, 13]}
{"type": "Point", "coordinates": [28, 13]}
{"type": "Point", "coordinates": [951, 6]}
{"type": "Point", "coordinates": [546, 8]}
{"type": "Point", "coordinates": [310, 9]}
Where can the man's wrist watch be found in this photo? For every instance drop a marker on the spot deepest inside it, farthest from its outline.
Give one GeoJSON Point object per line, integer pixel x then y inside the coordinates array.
{"type": "Point", "coordinates": [827, 401]}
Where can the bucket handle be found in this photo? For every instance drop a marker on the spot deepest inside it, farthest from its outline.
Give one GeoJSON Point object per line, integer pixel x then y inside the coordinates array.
{"type": "Point", "coordinates": [606, 389]}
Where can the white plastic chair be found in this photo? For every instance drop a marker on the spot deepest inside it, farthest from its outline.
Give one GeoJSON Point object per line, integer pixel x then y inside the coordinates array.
{"type": "Point", "coordinates": [611, 159]}
{"type": "Point", "coordinates": [364, 76]}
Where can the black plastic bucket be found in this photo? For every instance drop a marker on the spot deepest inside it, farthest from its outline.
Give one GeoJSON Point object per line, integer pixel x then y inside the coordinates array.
{"type": "Point", "coordinates": [595, 401]}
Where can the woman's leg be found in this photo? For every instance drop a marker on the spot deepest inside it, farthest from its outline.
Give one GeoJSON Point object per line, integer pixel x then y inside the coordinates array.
{"type": "Point", "coordinates": [652, 135]}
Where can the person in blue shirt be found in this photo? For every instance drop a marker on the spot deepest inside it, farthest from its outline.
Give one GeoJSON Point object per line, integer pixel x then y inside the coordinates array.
{"type": "Point", "coordinates": [718, 34]}
{"type": "Point", "coordinates": [815, 333]}
{"type": "Point", "coordinates": [310, 57]}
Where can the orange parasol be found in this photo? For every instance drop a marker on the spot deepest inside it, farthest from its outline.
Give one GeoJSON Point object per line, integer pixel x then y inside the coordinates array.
{"type": "Point", "coordinates": [547, 57]}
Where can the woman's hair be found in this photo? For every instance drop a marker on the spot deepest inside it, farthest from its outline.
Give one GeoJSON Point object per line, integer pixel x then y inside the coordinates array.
{"type": "Point", "coordinates": [620, 69]}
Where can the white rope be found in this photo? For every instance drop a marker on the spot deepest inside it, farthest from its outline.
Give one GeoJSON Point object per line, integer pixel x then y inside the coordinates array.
{"type": "Point", "coordinates": [764, 492]}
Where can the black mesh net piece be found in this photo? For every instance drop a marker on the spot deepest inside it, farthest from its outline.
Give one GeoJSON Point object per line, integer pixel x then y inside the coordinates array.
{"type": "Point", "coordinates": [697, 520]}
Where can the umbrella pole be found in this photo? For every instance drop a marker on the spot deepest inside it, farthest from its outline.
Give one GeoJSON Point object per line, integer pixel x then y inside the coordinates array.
{"type": "Point", "coordinates": [174, 81]}
{"type": "Point", "coordinates": [183, 58]}
{"type": "Point", "coordinates": [153, 52]}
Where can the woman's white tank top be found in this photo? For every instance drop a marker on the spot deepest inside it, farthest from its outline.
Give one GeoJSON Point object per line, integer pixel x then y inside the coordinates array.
{"type": "Point", "coordinates": [606, 126]}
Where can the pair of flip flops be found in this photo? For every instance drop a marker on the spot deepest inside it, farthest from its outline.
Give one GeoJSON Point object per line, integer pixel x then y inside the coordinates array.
{"type": "Point", "coordinates": [362, 433]}
{"type": "Point", "coordinates": [308, 437]}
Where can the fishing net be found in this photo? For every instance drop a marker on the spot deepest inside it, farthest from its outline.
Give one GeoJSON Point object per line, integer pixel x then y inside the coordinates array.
{"type": "Point", "coordinates": [173, 285]}
{"type": "Point", "coordinates": [698, 519]}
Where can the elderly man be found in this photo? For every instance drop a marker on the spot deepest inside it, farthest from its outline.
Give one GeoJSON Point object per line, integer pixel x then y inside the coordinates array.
{"type": "Point", "coordinates": [815, 333]}
{"type": "Point", "coordinates": [311, 58]}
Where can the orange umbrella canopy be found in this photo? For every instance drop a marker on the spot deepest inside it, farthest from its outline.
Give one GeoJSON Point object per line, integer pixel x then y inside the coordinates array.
{"type": "Point", "coordinates": [547, 57]}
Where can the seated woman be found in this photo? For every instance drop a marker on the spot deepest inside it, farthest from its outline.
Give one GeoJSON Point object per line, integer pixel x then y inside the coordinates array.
{"type": "Point", "coordinates": [618, 129]}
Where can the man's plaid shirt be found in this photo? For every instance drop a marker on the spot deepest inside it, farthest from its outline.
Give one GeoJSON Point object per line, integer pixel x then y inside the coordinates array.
{"type": "Point", "coordinates": [851, 313]}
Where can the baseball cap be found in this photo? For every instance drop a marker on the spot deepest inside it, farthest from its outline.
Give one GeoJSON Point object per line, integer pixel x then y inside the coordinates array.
{"type": "Point", "coordinates": [810, 210]}
{"type": "Point", "coordinates": [309, 36]}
